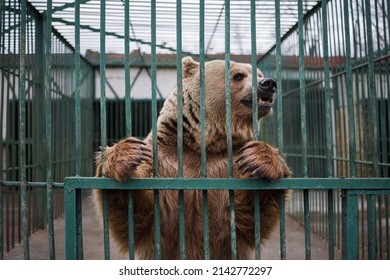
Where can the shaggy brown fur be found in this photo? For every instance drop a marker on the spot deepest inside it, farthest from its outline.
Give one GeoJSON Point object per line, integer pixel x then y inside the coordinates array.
{"type": "Point", "coordinates": [131, 158]}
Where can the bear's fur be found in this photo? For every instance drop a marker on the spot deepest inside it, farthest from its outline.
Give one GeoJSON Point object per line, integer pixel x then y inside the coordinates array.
{"type": "Point", "coordinates": [132, 158]}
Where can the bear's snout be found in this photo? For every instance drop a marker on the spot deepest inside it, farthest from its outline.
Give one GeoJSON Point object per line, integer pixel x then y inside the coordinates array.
{"type": "Point", "coordinates": [267, 85]}
{"type": "Point", "coordinates": [266, 90]}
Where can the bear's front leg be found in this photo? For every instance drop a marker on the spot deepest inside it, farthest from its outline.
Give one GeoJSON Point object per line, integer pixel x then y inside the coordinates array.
{"type": "Point", "coordinates": [128, 158]}
{"type": "Point", "coordinates": [262, 161]}
{"type": "Point", "coordinates": [122, 159]}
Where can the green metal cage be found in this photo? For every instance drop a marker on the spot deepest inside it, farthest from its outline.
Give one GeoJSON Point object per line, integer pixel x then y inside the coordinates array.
{"type": "Point", "coordinates": [331, 61]}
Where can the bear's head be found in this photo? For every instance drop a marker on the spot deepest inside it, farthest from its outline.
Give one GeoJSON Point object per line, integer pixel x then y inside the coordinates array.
{"type": "Point", "coordinates": [240, 88]}
{"type": "Point", "coordinates": [215, 103]}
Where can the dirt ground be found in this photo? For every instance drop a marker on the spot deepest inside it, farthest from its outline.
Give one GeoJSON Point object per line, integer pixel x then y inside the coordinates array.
{"type": "Point", "coordinates": [93, 242]}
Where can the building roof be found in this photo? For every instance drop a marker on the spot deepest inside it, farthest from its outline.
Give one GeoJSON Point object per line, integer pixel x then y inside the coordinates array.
{"type": "Point", "coordinates": [138, 59]}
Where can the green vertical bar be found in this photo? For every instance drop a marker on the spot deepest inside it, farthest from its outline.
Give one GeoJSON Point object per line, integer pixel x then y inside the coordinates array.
{"type": "Point", "coordinates": [350, 104]}
{"type": "Point", "coordinates": [350, 226]}
{"type": "Point", "coordinates": [381, 98]}
{"type": "Point", "coordinates": [227, 89]}
{"type": "Point", "coordinates": [181, 225]}
{"type": "Point", "coordinates": [102, 70]}
{"type": "Point", "coordinates": [229, 129]}
{"type": "Point", "coordinates": [157, 224]}
{"type": "Point", "coordinates": [131, 224]}
{"type": "Point", "coordinates": [70, 222]}
{"type": "Point", "coordinates": [344, 224]}
{"type": "Point", "coordinates": [255, 121]}
{"type": "Point", "coordinates": [278, 50]}
{"type": "Point", "coordinates": [11, 151]}
{"type": "Point", "coordinates": [2, 62]}
{"type": "Point", "coordinates": [387, 226]}
{"type": "Point", "coordinates": [257, 225]}
{"type": "Point", "coordinates": [279, 75]}
{"type": "Point", "coordinates": [255, 109]}
{"type": "Point", "coordinates": [106, 232]}
{"type": "Point", "coordinates": [77, 89]}
{"type": "Point", "coordinates": [330, 225]}
{"type": "Point", "coordinates": [303, 127]}
{"type": "Point", "coordinates": [371, 227]}
{"type": "Point", "coordinates": [362, 227]}
{"type": "Point", "coordinates": [356, 33]}
{"type": "Point", "coordinates": [49, 152]}
{"type": "Point", "coordinates": [282, 227]}
{"type": "Point", "coordinates": [205, 225]}
{"type": "Point", "coordinates": [329, 145]}
{"type": "Point", "coordinates": [232, 225]}
{"type": "Point", "coordinates": [180, 124]}
{"type": "Point", "coordinates": [179, 89]}
{"type": "Point", "coordinates": [306, 210]}
{"type": "Point", "coordinates": [127, 69]}
{"type": "Point", "coordinates": [154, 88]}
{"type": "Point", "coordinates": [203, 126]}
{"type": "Point", "coordinates": [379, 239]}
{"type": "Point", "coordinates": [302, 88]}
{"type": "Point", "coordinates": [78, 127]}
{"type": "Point", "coordinates": [22, 131]}
{"type": "Point", "coordinates": [202, 87]}
{"type": "Point", "coordinates": [154, 128]}
{"type": "Point", "coordinates": [37, 152]}
{"type": "Point", "coordinates": [372, 91]}
{"type": "Point", "coordinates": [341, 103]}
{"type": "Point", "coordinates": [128, 122]}
{"type": "Point", "coordinates": [103, 121]}
{"type": "Point", "coordinates": [328, 124]}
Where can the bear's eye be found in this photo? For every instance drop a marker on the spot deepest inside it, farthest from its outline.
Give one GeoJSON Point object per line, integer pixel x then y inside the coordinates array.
{"type": "Point", "coordinates": [239, 77]}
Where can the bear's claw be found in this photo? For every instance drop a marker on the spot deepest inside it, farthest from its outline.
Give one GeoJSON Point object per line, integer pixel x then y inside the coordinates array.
{"type": "Point", "coordinates": [122, 159]}
{"type": "Point", "coordinates": [262, 161]}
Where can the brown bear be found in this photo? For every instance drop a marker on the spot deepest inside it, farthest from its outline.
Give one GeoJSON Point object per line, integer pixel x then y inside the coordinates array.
{"type": "Point", "coordinates": [132, 158]}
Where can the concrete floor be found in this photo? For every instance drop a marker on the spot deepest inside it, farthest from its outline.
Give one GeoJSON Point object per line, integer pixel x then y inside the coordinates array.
{"type": "Point", "coordinates": [93, 242]}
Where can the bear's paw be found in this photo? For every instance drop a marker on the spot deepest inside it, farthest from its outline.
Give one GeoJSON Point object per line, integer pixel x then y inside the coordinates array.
{"type": "Point", "coordinates": [122, 159]}
{"type": "Point", "coordinates": [261, 160]}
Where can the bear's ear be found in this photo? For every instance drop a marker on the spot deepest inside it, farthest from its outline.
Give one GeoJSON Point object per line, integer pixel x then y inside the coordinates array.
{"type": "Point", "coordinates": [190, 67]}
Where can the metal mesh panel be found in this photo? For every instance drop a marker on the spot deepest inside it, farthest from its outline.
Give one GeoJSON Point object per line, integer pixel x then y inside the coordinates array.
{"type": "Point", "coordinates": [36, 119]}
{"type": "Point", "coordinates": [345, 80]}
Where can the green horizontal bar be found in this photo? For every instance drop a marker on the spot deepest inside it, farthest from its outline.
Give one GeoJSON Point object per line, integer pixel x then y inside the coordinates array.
{"type": "Point", "coordinates": [369, 184]}
{"type": "Point", "coordinates": [30, 184]}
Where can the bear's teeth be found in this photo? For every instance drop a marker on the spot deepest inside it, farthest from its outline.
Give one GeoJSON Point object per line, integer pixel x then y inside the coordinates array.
{"type": "Point", "coordinates": [265, 101]}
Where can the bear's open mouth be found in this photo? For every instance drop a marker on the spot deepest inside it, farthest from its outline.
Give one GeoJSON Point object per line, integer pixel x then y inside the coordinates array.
{"type": "Point", "coordinates": [265, 102]}
{"type": "Point", "coordinates": [262, 102]}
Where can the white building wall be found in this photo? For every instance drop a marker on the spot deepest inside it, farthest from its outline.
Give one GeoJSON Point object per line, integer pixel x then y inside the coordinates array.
{"type": "Point", "coordinates": [142, 88]}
